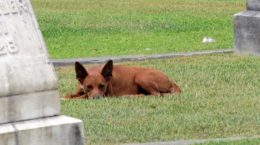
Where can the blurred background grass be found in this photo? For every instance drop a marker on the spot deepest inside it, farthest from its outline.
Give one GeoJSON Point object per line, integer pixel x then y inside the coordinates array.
{"type": "Point", "coordinates": [89, 28]}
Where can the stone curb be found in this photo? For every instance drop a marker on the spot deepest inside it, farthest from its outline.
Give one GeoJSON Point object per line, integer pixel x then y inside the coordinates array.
{"type": "Point", "coordinates": [199, 141]}
{"type": "Point", "coordinates": [95, 60]}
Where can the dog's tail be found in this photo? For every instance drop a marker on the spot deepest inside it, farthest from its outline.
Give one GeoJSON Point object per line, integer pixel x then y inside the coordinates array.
{"type": "Point", "coordinates": [175, 88]}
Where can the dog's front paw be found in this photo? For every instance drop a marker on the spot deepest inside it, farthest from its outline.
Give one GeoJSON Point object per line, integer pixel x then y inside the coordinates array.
{"type": "Point", "coordinates": [67, 96]}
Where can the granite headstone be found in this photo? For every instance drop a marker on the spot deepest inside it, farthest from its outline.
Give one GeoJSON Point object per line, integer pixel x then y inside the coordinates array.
{"type": "Point", "coordinates": [247, 29]}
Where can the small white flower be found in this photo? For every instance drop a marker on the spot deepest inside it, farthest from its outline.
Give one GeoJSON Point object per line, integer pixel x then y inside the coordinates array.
{"type": "Point", "coordinates": [208, 40]}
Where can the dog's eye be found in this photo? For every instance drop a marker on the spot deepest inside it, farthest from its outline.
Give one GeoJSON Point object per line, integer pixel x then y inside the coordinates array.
{"type": "Point", "coordinates": [101, 86]}
{"type": "Point", "coordinates": [89, 87]}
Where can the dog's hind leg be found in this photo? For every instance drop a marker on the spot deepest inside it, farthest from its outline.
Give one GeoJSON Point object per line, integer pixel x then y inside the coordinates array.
{"type": "Point", "coordinates": [147, 87]}
{"type": "Point", "coordinates": [156, 84]}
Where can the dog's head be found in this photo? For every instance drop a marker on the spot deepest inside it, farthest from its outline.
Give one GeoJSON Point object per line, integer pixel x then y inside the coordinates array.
{"type": "Point", "coordinates": [95, 85]}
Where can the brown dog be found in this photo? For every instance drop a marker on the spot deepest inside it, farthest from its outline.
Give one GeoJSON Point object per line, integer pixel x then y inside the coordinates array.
{"type": "Point", "coordinates": [108, 80]}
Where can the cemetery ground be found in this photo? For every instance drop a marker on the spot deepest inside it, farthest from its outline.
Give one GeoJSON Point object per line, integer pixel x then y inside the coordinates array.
{"type": "Point", "coordinates": [220, 99]}
{"type": "Point", "coordinates": [90, 28]}
{"type": "Point", "coordinates": [220, 95]}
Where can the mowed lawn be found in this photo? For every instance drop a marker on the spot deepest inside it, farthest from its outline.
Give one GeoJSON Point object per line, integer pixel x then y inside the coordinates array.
{"type": "Point", "coordinates": [88, 28]}
{"type": "Point", "coordinates": [220, 98]}
{"type": "Point", "coordinates": [237, 142]}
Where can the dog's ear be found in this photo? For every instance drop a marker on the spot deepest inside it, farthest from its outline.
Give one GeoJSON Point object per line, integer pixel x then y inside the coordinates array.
{"type": "Point", "coordinates": [81, 72]}
{"type": "Point", "coordinates": [107, 70]}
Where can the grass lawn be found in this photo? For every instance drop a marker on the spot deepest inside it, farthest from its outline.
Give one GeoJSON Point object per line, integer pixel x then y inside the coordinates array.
{"type": "Point", "coordinates": [221, 98]}
{"type": "Point", "coordinates": [87, 28]}
{"type": "Point", "coordinates": [239, 142]}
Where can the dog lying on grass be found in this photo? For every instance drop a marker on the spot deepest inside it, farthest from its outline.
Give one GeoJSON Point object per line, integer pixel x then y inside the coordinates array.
{"type": "Point", "coordinates": [119, 80]}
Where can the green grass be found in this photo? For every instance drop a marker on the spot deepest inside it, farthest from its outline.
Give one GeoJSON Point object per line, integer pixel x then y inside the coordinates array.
{"type": "Point", "coordinates": [238, 142]}
{"type": "Point", "coordinates": [87, 28]}
{"type": "Point", "coordinates": [220, 98]}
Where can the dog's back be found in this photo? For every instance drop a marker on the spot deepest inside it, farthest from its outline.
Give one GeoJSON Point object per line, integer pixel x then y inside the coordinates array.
{"type": "Point", "coordinates": [132, 80]}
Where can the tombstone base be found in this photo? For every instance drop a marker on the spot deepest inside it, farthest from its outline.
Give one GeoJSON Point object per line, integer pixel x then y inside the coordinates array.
{"type": "Point", "coordinates": [59, 130]}
{"type": "Point", "coordinates": [247, 32]}
{"type": "Point", "coordinates": [29, 106]}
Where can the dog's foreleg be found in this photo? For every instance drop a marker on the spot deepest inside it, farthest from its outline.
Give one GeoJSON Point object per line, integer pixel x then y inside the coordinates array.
{"type": "Point", "coordinates": [78, 94]}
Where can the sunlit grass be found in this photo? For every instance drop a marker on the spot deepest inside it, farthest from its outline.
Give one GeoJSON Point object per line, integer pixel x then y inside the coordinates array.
{"type": "Point", "coordinates": [83, 28]}
{"type": "Point", "coordinates": [238, 142]}
{"type": "Point", "coordinates": [220, 98]}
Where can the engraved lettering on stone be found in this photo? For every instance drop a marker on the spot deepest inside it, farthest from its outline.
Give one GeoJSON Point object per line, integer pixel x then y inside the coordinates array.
{"type": "Point", "coordinates": [13, 6]}
{"type": "Point", "coordinates": [10, 6]}
{"type": "Point", "coordinates": [4, 9]}
{"type": "Point", "coordinates": [22, 6]}
{"type": "Point", "coordinates": [3, 28]}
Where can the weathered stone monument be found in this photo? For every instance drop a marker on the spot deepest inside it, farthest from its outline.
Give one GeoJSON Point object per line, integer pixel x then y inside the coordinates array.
{"type": "Point", "coordinates": [29, 99]}
{"type": "Point", "coordinates": [247, 29]}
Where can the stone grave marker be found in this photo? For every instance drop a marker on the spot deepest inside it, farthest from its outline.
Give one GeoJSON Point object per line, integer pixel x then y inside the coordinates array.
{"type": "Point", "coordinates": [29, 99]}
{"type": "Point", "coordinates": [247, 29]}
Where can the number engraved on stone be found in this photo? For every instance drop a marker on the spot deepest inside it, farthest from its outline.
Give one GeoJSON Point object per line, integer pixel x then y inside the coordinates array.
{"type": "Point", "coordinates": [8, 48]}
{"type": "Point", "coordinates": [3, 28]}
{"type": "Point", "coordinates": [12, 48]}
{"type": "Point", "coordinates": [2, 50]}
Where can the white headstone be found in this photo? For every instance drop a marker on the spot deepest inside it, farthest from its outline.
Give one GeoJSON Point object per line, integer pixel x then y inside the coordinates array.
{"type": "Point", "coordinates": [28, 83]}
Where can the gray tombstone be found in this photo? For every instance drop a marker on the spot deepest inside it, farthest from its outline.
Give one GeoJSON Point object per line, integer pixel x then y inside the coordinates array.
{"type": "Point", "coordinates": [29, 99]}
{"type": "Point", "coordinates": [253, 5]}
{"type": "Point", "coordinates": [247, 29]}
